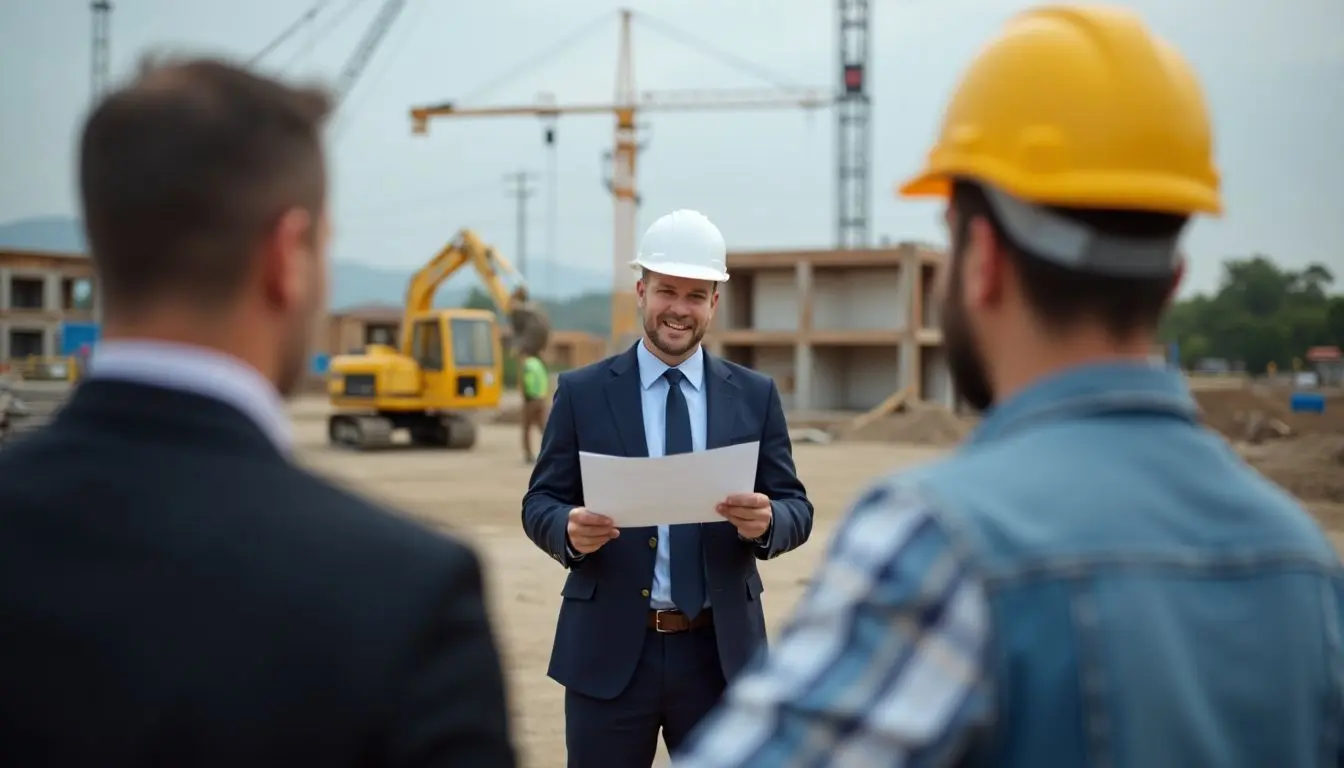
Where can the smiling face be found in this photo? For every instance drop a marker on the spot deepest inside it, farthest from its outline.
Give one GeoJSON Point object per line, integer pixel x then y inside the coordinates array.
{"type": "Point", "coordinates": [676, 312]}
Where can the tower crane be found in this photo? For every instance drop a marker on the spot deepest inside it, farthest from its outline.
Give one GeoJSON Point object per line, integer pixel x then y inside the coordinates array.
{"type": "Point", "coordinates": [628, 102]}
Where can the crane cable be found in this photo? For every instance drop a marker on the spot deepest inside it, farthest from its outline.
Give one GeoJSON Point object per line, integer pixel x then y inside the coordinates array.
{"type": "Point", "coordinates": [731, 60]}
{"type": "Point", "coordinates": [533, 61]}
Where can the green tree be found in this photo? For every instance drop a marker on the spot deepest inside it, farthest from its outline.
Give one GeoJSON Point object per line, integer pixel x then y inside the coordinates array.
{"type": "Point", "coordinates": [1260, 314]}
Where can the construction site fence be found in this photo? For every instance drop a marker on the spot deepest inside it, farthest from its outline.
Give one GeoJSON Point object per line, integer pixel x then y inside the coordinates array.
{"type": "Point", "coordinates": [43, 368]}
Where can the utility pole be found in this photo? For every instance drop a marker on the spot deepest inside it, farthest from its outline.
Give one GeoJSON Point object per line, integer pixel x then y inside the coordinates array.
{"type": "Point", "coordinates": [100, 62]}
{"type": "Point", "coordinates": [520, 191]}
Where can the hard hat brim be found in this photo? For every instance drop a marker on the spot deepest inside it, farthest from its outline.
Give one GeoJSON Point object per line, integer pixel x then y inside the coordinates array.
{"type": "Point", "coordinates": [687, 271]}
{"type": "Point", "coordinates": [926, 185]}
{"type": "Point", "coordinates": [1132, 192]}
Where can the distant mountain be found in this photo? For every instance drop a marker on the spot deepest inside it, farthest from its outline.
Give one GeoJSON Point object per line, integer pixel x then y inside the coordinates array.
{"type": "Point", "coordinates": [59, 234]}
{"type": "Point", "coordinates": [353, 283]}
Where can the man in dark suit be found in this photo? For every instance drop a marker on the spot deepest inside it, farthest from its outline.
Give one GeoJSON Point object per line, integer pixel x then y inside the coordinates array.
{"type": "Point", "coordinates": [174, 591]}
{"type": "Point", "coordinates": [654, 620]}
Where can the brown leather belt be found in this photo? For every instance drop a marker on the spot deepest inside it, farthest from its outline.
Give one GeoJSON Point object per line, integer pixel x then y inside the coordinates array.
{"type": "Point", "coordinates": [673, 622]}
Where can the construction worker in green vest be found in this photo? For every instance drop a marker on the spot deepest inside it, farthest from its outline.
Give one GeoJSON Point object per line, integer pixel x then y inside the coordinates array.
{"type": "Point", "coordinates": [536, 386]}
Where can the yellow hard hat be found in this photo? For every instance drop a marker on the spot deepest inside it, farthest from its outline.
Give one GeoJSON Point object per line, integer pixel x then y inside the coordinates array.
{"type": "Point", "coordinates": [1083, 107]}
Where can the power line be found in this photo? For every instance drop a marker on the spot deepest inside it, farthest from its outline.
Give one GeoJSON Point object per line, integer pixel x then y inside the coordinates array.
{"type": "Point", "coordinates": [520, 190]}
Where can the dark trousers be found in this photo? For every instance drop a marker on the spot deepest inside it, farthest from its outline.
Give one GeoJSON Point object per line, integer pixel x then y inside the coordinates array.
{"type": "Point", "coordinates": [678, 681]}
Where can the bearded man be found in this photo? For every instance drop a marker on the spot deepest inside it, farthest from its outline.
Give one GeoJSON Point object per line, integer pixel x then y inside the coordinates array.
{"type": "Point", "coordinates": [655, 620]}
{"type": "Point", "coordinates": [1093, 578]}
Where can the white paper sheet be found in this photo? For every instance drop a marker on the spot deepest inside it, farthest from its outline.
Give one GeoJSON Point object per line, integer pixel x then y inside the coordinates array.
{"type": "Point", "coordinates": [667, 490]}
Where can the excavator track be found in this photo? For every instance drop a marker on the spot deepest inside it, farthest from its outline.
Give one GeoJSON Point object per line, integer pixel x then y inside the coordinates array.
{"type": "Point", "coordinates": [461, 432]}
{"type": "Point", "coordinates": [451, 431]}
{"type": "Point", "coordinates": [359, 433]}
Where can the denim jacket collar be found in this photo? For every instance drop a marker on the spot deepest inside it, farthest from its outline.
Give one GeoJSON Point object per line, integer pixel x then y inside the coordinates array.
{"type": "Point", "coordinates": [1088, 390]}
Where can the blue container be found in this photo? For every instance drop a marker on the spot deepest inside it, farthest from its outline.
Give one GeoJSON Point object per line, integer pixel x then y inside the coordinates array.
{"type": "Point", "coordinates": [1307, 402]}
{"type": "Point", "coordinates": [77, 338]}
{"type": "Point", "coordinates": [321, 362]}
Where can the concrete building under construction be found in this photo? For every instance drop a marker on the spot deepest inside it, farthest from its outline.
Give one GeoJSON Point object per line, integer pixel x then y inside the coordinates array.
{"type": "Point", "coordinates": [837, 330]}
{"type": "Point", "coordinates": [39, 292]}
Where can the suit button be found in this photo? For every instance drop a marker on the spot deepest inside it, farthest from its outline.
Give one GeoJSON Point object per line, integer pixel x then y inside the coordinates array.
{"type": "Point", "coordinates": [644, 592]}
{"type": "Point", "coordinates": [653, 542]}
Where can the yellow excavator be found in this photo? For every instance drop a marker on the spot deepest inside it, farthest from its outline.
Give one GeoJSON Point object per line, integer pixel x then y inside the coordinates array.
{"type": "Point", "coordinates": [448, 363]}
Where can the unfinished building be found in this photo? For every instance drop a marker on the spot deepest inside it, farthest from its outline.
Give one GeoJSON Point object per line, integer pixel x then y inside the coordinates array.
{"type": "Point", "coordinates": [837, 330]}
{"type": "Point", "coordinates": [38, 293]}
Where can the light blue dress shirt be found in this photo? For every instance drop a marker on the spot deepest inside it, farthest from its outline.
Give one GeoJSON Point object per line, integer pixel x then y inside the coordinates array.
{"type": "Point", "coordinates": [653, 402]}
{"type": "Point", "coordinates": [199, 371]}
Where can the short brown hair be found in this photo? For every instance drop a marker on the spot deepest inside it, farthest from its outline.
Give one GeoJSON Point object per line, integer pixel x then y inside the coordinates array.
{"type": "Point", "coordinates": [1062, 297]}
{"type": "Point", "coordinates": [184, 170]}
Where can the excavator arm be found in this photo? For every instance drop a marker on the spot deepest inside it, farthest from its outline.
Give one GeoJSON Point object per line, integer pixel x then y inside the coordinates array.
{"type": "Point", "coordinates": [466, 248]}
{"type": "Point", "coordinates": [493, 269]}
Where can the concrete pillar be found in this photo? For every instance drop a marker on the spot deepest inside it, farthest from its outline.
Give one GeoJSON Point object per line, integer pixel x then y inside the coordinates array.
{"type": "Point", "coordinates": [4, 289]}
{"type": "Point", "coordinates": [51, 341]}
{"type": "Point", "coordinates": [910, 368]}
{"type": "Point", "coordinates": [802, 377]}
{"type": "Point", "coordinates": [803, 280]}
{"type": "Point", "coordinates": [51, 292]}
{"type": "Point", "coordinates": [4, 338]}
{"type": "Point", "coordinates": [911, 374]}
{"type": "Point", "coordinates": [96, 297]}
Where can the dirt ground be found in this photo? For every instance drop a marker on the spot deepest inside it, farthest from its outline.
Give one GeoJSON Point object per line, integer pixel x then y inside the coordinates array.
{"type": "Point", "coordinates": [477, 495]}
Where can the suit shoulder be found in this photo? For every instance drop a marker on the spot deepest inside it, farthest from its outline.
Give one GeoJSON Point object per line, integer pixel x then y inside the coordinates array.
{"type": "Point", "coordinates": [381, 529]}
{"type": "Point", "coordinates": [588, 373]}
{"type": "Point", "coordinates": [746, 376]}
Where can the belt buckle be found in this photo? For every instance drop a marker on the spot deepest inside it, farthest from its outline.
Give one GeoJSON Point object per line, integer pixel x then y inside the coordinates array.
{"type": "Point", "coordinates": [658, 622]}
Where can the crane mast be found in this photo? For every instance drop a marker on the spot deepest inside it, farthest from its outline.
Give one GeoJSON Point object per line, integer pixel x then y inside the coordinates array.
{"type": "Point", "coordinates": [625, 199]}
{"type": "Point", "coordinates": [853, 130]}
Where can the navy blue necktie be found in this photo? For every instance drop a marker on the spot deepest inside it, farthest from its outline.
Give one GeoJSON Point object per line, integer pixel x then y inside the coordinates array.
{"type": "Point", "coordinates": [688, 558]}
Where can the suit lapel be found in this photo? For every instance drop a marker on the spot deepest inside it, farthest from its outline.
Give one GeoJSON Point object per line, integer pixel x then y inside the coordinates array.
{"type": "Point", "coordinates": [721, 392]}
{"type": "Point", "coordinates": [627, 409]}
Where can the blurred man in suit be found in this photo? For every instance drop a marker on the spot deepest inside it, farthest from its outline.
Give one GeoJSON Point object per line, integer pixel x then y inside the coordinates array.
{"type": "Point", "coordinates": [654, 620]}
{"type": "Point", "coordinates": [175, 591]}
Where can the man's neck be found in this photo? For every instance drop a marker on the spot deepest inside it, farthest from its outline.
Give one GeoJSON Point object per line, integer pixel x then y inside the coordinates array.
{"type": "Point", "coordinates": [669, 360]}
{"type": "Point", "coordinates": [1059, 354]}
{"type": "Point", "coordinates": [216, 336]}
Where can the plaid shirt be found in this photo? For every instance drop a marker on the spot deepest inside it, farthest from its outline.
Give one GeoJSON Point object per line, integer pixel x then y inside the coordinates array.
{"type": "Point", "coordinates": [882, 664]}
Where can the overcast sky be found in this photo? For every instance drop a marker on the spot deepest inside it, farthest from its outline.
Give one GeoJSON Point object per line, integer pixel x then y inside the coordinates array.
{"type": "Point", "coordinates": [1274, 73]}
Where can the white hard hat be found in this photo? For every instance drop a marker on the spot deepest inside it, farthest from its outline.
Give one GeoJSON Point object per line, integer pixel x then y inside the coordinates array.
{"type": "Point", "coordinates": [684, 244]}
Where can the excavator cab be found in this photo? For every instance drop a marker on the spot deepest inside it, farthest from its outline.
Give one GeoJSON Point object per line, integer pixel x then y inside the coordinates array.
{"type": "Point", "coordinates": [453, 365]}
{"type": "Point", "coordinates": [447, 364]}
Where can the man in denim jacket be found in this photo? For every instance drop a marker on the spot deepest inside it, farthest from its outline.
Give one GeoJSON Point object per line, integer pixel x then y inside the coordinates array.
{"type": "Point", "coordinates": [1093, 579]}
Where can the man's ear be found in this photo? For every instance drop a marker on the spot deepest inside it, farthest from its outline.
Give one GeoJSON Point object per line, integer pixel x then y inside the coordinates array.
{"type": "Point", "coordinates": [285, 264]}
{"type": "Point", "coordinates": [985, 264]}
{"type": "Point", "coordinates": [1177, 277]}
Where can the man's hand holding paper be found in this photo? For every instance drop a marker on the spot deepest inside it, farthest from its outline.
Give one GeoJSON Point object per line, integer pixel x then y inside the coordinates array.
{"type": "Point", "coordinates": [588, 531]}
{"type": "Point", "coordinates": [749, 513]}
